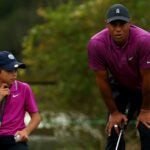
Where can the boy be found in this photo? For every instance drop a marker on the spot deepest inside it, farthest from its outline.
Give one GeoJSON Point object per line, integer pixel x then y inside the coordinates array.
{"type": "Point", "coordinates": [16, 98]}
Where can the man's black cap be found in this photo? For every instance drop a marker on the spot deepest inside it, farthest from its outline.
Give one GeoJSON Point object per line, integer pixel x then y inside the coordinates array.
{"type": "Point", "coordinates": [117, 12]}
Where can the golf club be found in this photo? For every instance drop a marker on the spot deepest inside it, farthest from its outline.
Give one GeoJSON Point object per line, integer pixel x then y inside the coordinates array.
{"type": "Point", "coordinates": [122, 129]}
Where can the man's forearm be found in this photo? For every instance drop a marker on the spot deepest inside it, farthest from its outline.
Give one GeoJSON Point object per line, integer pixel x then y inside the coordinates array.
{"type": "Point", "coordinates": [145, 89]}
{"type": "Point", "coordinates": [108, 99]}
{"type": "Point", "coordinates": [146, 100]}
{"type": "Point", "coordinates": [101, 79]}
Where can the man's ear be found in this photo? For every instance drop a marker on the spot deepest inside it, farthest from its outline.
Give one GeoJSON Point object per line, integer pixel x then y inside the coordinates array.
{"type": "Point", "coordinates": [105, 22]}
{"type": "Point", "coordinates": [130, 22]}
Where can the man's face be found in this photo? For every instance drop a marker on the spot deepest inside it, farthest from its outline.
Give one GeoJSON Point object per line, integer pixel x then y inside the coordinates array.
{"type": "Point", "coordinates": [119, 31]}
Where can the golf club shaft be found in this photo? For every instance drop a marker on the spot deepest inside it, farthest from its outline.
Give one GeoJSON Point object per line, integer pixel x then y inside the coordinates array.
{"type": "Point", "coordinates": [122, 128]}
{"type": "Point", "coordinates": [119, 138]}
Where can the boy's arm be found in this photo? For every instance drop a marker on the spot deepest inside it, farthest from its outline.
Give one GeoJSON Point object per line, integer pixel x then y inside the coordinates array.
{"type": "Point", "coordinates": [33, 124]}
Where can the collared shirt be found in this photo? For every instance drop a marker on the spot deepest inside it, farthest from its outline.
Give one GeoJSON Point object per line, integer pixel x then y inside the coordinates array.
{"type": "Point", "coordinates": [20, 101]}
{"type": "Point", "coordinates": [123, 62]}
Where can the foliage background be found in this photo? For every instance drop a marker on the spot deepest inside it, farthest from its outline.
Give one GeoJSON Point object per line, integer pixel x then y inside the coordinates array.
{"type": "Point", "coordinates": [51, 37]}
{"type": "Point", "coordinates": [56, 51]}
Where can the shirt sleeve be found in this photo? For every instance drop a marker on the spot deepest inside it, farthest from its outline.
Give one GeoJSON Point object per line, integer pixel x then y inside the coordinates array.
{"type": "Point", "coordinates": [144, 52]}
{"type": "Point", "coordinates": [96, 55]}
{"type": "Point", "coordinates": [30, 102]}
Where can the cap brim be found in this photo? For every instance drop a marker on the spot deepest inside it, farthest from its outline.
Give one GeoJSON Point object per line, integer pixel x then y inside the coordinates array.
{"type": "Point", "coordinates": [118, 18]}
{"type": "Point", "coordinates": [14, 65]}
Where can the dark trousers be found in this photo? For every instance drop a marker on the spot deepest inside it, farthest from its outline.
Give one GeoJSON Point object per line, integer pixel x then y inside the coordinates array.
{"type": "Point", "coordinates": [8, 143]}
{"type": "Point", "coordinates": [123, 97]}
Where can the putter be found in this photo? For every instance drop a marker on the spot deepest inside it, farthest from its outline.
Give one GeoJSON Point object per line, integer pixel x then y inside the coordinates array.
{"type": "Point", "coordinates": [122, 129]}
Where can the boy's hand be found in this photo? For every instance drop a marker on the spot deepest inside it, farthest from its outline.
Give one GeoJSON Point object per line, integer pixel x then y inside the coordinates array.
{"type": "Point", "coordinates": [4, 91]}
{"type": "Point", "coordinates": [23, 135]}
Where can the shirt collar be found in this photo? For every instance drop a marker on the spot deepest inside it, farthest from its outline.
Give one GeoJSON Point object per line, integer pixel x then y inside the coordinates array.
{"type": "Point", "coordinates": [14, 86]}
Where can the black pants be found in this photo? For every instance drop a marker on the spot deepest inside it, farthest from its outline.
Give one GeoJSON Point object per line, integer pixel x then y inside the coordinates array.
{"type": "Point", "coordinates": [123, 97]}
{"type": "Point", "coordinates": [8, 143]}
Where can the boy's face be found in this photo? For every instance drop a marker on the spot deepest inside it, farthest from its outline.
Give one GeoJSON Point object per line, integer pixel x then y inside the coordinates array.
{"type": "Point", "coordinates": [119, 31]}
{"type": "Point", "coordinates": [8, 76]}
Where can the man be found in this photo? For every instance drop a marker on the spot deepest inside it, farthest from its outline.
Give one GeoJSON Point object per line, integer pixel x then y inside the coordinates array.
{"type": "Point", "coordinates": [120, 57]}
{"type": "Point", "coordinates": [16, 98]}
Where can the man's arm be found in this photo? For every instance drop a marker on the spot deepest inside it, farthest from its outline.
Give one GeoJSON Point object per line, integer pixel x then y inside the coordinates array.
{"type": "Point", "coordinates": [144, 115]}
{"type": "Point", "coordinates": [102, 82]}
{"type": "Point", "coordinates": [146, 89]}
{"type": "Point", "coordinates": [115, 116]}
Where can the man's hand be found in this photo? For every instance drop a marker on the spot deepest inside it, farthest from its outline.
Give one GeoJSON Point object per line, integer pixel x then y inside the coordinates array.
{"type": "Point", "coordinates": [115, 120]}
{"type": "Point", "coordinates": [144, 117]}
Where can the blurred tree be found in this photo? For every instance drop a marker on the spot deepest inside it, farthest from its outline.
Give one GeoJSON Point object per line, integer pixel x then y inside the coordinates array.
{"type": "Point", "coordinates": [57, 51]}
{"type": "Point", "coordinates": [17, 16]}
